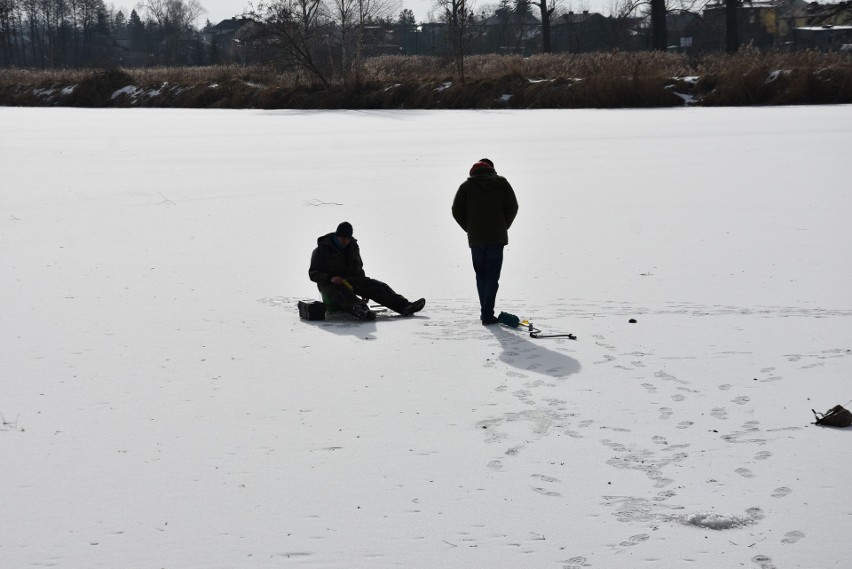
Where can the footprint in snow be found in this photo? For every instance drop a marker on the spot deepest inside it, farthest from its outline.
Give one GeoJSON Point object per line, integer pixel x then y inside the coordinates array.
{"type": "Point", "coordinates": [719, 413]}
{"type": "Point", "coordinates": [547, 478]}
{"type": "Point", "coordinates": [792, 537]}
{"type": "Point", "coordinates": [576, 563]}
{"type": "Point", "coordinates": [514, 450]}
{"type": "Point", "coordinates": [545, 492]}
{"type": "Point", "coordinates": [635, 540]}
{"type": "Point", "coordinates": [763, 561]}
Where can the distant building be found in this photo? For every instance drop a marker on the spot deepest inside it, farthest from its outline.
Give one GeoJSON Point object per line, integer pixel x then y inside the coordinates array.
{"type": "Point", "coordinates": [823, 38]}
{"type": "Point", "coordinates": [230, 41]}
{"type": "Point", "coordinates": [757, 22]}
{"type": "Point", "coordinates": [794, 24]}
{"type": "Point", "coordinates": [827, 27]}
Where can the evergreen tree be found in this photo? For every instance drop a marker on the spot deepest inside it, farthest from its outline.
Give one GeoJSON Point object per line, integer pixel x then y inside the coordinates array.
{"type": "Point", "coordinates": [136, 32]}
{"type": "Point", "coordinates": [119, 22]}
{"type": "Point", "coordinates": [406, 18]}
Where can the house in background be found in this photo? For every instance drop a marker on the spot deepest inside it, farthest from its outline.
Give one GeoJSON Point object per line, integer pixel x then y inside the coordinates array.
{"type": "Point", "coordinates": [230, 41]}
{"type": "Point", "coordinates": [794, 24]}
{"type": "Point", "coordinates": [823, 38]}
{"type": "Point", "coordinates": [583, 32]}
{"type": "Point", "coordinates": [686, 32]}
{"type": "Point", "coordinates": [826, 27]}
{"type": "Point", "coordinates": [508, 32]}
{"type": "Point", "coordinates": [757, 22]}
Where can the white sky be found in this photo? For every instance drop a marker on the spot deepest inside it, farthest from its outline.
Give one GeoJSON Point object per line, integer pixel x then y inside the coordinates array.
{"type": "Point", "coordinates": [218, 10]}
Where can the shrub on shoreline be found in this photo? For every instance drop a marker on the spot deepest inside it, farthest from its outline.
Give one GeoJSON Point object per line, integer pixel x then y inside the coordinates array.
{"type": "Point", "coordinates": [595, 80]}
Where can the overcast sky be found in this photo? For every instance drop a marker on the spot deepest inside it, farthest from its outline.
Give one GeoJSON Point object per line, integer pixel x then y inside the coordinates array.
{"type": "Point", "coordinates": [218, 10]}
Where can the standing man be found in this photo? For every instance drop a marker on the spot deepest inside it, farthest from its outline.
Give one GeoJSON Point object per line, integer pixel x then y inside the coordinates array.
{"type": "Point", "coordinates": [485, 207]}
{"type": "Point", "coordinates": [337, 269]}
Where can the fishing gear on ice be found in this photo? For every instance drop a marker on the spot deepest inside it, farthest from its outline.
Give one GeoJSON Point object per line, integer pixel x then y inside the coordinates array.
{"type": "Point", "coordinates": [512, 321]}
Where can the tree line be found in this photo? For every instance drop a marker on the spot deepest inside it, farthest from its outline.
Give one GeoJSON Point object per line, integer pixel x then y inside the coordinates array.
{"type": "Point", "coordinates": [82, 33]}
{"type": "Point", "coordinates": [324, 39]}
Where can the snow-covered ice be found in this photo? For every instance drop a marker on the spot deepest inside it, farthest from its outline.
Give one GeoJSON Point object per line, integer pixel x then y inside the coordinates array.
{"type": "Point", "coordinates": [164, 406]}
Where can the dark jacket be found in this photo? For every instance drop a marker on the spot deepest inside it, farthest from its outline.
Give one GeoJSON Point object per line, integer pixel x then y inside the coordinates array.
{"type": "Point", "coordinates": [485, 206]}
{"type": "Point", "coordinates": [328, 261]}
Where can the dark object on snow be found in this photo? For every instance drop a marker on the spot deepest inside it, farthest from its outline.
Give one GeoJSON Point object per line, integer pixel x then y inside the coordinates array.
{"type": "Point", "coordinates": [311, 310]}
{"type": "Point", "coordinates": [509, 320]}
{"type": "Point", "coordinates": [536, 333]}
{"type": "Point", "coordinates": [363, 312]}
{"type": "Point", "coordinates": [512, 321]}
{"type": "Point", "coordinates": [837, 416]}
{"type": "Point", "coordinates": [632, 321]}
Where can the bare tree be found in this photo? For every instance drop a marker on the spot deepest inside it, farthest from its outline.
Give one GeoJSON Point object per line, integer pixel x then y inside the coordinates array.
{"type": "Point", "coordinates": [294, 27]}
{"type": "Point", "coordinates": [9, 32]}
{"type": "Point", "coordinates": [368, 11]}
{"type": "Point", "coordinates": [459, 16]}
{"type": "Point", "coordinates": [621, 11]}
{"type": "Point", "coordinates": [732, 38]}
{"type": "Point", "coordinates": [547, 9]}
{"type": "Point", "coordinates": [173, 18]}
{"type": "Point", "coordinates": [173, 15]}
{"type": "Point", "coordinates": [659, 32]}
{"type": "Point", "coordinates": [343, 13]}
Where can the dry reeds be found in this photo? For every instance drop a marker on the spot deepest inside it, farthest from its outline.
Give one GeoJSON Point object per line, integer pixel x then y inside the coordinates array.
{"type": "Point", "coordinates": [602, 80]}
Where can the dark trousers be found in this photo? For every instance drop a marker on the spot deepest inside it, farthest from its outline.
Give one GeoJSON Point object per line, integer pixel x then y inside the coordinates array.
{"type": "Point", "coordinates": [487, 262]}
{"type": "Point", "coordinates": [364, 287]}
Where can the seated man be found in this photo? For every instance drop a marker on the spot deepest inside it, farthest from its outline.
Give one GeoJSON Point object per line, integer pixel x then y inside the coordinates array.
{"type": "Point", "coordinates": [337, 269]}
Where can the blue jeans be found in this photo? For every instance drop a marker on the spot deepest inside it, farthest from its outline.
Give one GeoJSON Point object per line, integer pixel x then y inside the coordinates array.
{"type": "Point", "coordinates": [487, 262]}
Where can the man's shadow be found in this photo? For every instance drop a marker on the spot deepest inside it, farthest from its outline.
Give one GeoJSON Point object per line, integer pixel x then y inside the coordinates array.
{"type": "Point", "coordinates": [529, 354]}
{"type": "Point", "coordinates": [343, 324]}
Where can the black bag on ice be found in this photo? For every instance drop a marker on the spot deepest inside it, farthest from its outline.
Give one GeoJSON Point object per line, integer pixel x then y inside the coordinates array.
{"type": "Point", "coordinates": [311, 310]}
{"type": "Point", "coordinates": [837, 416]}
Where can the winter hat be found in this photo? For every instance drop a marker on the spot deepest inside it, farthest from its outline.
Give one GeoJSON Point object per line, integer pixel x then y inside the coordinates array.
{"type": "Point", "coordinates": [480, 165]}
{"type": "Point", "coordinates": [487, 161]}
{"type": "Point", "coordinates": [344, 230]}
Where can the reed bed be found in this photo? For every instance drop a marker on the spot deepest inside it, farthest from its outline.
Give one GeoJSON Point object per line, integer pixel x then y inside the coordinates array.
{"type": "Point", "coordinates": [596, 80]}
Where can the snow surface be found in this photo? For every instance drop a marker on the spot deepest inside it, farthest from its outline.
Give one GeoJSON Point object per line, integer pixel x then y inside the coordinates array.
{"type": "Point", "coordinates": [164, 406]}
